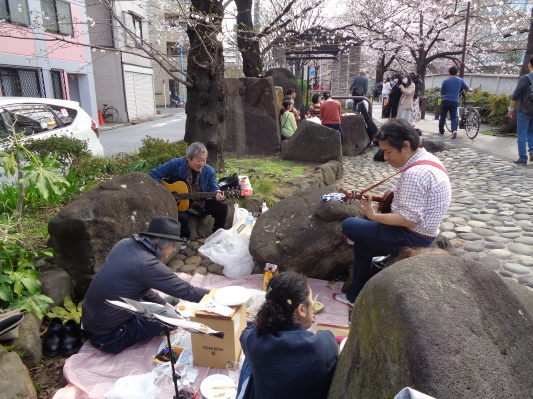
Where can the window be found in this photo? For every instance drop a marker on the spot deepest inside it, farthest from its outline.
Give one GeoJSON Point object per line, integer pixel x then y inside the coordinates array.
{"type": "Point", "coordinates": [15, 11]}
{"type": "Point", "coordinates": [29, 119]}
{"type": "Point", "coordinates": [19, 81]}
{"type": "Point", "coordinates": [173, 49]}
{"type": "Point", "coordinates": [64, 114]}
{"type": "Point", "coordinates": [57, 17]}
{"type": "Point", "coordinates": [137, 26]}
{"type": "Point", "coordinates": [58, 83]}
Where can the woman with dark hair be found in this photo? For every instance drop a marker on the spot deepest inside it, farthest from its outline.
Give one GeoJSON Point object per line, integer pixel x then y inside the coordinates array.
{"type": "Point", "coordinates": [283, 359]}
{"type": "Point", "coordinates": [405, 107]}
{"type": "Point", "coordinates": [287, 120]}
{"type": "Point", "coordinates": [391, 110]}
{"type": "Point", "coordinates": [330, 113]}
{"type": "Point", "coordinates": [314, 109]}
{"type": "Point", "coordinates": [290, 94]}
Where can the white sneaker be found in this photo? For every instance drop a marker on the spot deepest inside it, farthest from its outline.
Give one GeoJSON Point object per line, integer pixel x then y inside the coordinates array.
{"type": "Point", "coordinates": [342, 298]}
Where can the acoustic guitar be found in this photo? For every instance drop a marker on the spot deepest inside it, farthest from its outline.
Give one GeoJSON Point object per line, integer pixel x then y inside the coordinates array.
{"type": "Point", "coordinates": [182, 193]}
{"type": "Point", "coordinates": [384, 201]}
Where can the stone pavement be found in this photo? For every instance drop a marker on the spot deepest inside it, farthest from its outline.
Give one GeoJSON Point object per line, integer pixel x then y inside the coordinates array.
{"type": "Point", "coordinates": [491, 213]}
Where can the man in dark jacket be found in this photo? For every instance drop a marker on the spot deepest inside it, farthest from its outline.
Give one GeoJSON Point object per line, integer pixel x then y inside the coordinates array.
{"type": "Point", "coordinates": [359, 87]}
{"type": "Point", "coordinates": [132, 270]}
{"type": "Point", "coordinates": [193, 170]}
{"type": "Point", "coordinates": [524, 122]}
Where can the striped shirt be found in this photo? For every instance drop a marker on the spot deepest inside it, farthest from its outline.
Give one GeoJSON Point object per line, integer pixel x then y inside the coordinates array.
{"type": "Point", "coordinates": [422, 194]}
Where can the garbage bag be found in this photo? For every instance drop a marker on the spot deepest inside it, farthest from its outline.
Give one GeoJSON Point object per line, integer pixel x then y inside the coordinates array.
{"type": "Point", "coordinates": [229, 249]}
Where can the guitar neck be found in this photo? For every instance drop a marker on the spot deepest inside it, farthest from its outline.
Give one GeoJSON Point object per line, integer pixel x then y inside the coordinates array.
{"type": "Point", "coordinates": [194, 196]}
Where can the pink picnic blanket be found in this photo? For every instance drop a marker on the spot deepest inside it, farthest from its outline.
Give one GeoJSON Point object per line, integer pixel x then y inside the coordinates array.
{"type": "Point", "coordinates": [91, 373]}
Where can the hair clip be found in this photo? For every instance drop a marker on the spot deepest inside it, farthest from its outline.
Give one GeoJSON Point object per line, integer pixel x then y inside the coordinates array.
{"type": "Point", "coordinates": [289, 301]}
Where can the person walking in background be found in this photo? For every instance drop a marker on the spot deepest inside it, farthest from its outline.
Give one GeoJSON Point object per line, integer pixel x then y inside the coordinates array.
{"type": "Point", "coordinates": [405, 106]}
{"type": "Point", "coordinates": [416, 114]}
{"type": "Point", "coordinates": [314, 109]}
{"type": "Point", "coordinates": [287, 120]}
{"type": "Point", "coordinates": [386, 91]}
{"type": "Point", "coordinates": [391, 110]}
{"type": "Point", "coordinates": [450, 90]}
{"type": "Point", "coordinates": [359, 87]}
{"type": "Point", "coordinates": [524, 122]}
{"type": "Point", "coordinates": [330, 113]}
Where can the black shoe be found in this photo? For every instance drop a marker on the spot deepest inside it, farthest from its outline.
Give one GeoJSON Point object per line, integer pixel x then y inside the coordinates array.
{"type": "Point", "coordinates": [520, 162]}
{"type": "Point", "coordinates": [71, 338]}
{"type": "Point", "coordinates": [53, 338]}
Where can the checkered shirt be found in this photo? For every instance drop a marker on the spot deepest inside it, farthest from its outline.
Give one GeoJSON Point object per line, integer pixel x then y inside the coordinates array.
{"type": "Point", "coordinates": [422, 194]}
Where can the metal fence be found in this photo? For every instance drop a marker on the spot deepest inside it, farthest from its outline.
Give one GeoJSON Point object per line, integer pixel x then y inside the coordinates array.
{"type": "Point", "coordinates": [494, 84]}
{"type": "Point", "coordinates": [19, 81]}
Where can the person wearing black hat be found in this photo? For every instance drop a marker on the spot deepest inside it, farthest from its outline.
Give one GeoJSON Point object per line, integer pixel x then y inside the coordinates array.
{"type": "Point", "coordinates": [132, 269]}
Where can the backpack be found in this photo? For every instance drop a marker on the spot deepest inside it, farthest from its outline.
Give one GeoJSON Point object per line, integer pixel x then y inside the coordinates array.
{"type": "Point", "coordinates": [528, 105]}
{"type": "Point", "coordinates": [230, 182]}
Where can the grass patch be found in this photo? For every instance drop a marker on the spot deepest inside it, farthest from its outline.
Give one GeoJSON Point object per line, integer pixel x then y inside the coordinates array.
{"type": "Point", "coordinates": [497, 134]}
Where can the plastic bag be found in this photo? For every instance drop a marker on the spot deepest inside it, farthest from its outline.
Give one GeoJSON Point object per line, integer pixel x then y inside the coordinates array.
{"type": "Point", "coordinates": [246, 186]}
{"type": "Point", "coordinates": [314, 119]}
{"type": "Point", "coordinates": [143, 386]}
{"type": "Point", "coordinates": [229, 249]}
{"type": "Point", "coordinates": [239, 214]}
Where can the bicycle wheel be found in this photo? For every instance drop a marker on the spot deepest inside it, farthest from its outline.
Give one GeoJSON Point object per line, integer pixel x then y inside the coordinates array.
{"type": "Point", "coordinates": [110, 115]}
{"type": "Point", "coordinates": [473, 120]}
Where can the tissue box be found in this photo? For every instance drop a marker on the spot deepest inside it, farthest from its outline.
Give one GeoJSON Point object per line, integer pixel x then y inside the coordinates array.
{"type": "Point", "coordinates": [216, 352]}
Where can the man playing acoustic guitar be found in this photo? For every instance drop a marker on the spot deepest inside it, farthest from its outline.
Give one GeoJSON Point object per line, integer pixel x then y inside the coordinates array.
{"type": "Point", "coordinates": [201, 179]}
{"type": "Point", "coordinates": [422, 196]}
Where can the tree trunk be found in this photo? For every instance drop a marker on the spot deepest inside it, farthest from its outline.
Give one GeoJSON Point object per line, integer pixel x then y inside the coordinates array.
{"type": "Point", "coordinates": [380, 68]}
{"type": "Point", "coordinates": [207, 100]}
{"type": "Point", "coordinates": [248, 44]}
{"type": "Point", "coordinates": [529, 48]}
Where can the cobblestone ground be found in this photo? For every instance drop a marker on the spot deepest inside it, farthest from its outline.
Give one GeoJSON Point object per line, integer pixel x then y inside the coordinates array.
{"type": "Point", "coordinates": [491, 213]}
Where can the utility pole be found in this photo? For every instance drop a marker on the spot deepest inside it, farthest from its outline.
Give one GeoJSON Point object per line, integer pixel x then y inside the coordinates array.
{"type": "Point", "coordinates": [462, 67]}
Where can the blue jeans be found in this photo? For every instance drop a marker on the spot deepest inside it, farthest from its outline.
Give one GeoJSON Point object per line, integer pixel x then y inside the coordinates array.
{"type": "Point", "coordinates": [451, 107]}
{"type": "Point", "coordinates": [372, 239]}
{"type": "Point", "coordinates": [525, 135]}
{"type": "Point", "coordinates": [337, 127]}
{"type": "Point", "coordinates": [134, 330]}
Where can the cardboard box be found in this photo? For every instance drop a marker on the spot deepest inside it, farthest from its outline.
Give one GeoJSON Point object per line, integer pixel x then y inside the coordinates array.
{"type": "Point", "coordinates": [216, 352]}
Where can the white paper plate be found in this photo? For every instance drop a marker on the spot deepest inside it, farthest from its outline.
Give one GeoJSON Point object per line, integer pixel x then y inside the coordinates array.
{"type": "Point", "coordinates": [232, 296]}
{"type": "Point", "coordinates": [217, 380]}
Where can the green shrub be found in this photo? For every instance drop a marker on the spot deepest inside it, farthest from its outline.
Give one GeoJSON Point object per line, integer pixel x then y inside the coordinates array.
{"type": "Point", "coordinates": [432, 96]}
{"type": "Point", "coordinates": [498, 109]}
{"type": "Point", "coordinates": [19, 284]}
{"type": "Point", "coordinates": [68, 150]}
{"type": "Point", "coordinates": [155, 152]}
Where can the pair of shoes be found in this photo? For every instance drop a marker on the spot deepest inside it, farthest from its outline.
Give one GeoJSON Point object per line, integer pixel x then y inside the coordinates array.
{"type": "Point", "coordinates": [342, 299]}
{"type": "Point", "coordinates": [347, 240]}
{"type": "Point", "coordinates": [520, 162]}
{"type": "Point", "coordinates": [440, 133]}
{"type": "Point", "coordinates": [454, 135]}
{"type": "Point", "coordinates": [184, 244]}
{"type": "Point", "coordinates": [62, 339]}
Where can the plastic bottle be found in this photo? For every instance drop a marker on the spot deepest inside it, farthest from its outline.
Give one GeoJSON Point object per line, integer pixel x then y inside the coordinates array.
{"type": "Point", "coordinates": [263, 208]}
{"type": "Point", "coordinates": [250, 218]}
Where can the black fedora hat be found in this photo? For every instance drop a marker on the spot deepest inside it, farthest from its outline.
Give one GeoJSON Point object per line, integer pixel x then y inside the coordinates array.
{"type": "Point", "coordinates": [165, 227]}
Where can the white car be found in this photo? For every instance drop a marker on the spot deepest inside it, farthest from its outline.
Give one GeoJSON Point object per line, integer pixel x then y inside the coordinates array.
{"type": "Point", "coordinates": [40, 118]}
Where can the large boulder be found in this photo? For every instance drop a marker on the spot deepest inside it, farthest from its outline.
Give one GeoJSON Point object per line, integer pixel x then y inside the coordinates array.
{"type": "Point", "coordinates": [286, 79]}
{"type": "Point", "coordinates": [252, 122]}
{"type": "Point", "coordinates": [446, 326]}
{"type": "Point", "coordinates": [28, 342]}
{"type": "Point", "coordinates": [355, 136]}
{"type": "Point", "coordinates": [312, 142]}
{"type": "Point", "coordinates": [303, 233]}
{"type": "Point", "coordinates": [55, 283]}
{"type": "Point", "coordinates": [83, 233]}
{"type": "Point", "coordinates": [15, 380]}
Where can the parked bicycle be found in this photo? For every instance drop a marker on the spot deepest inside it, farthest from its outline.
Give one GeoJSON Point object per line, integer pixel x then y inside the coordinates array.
{"type": "Point", "coordinates": [110, 114]}
{"type": "Point", "coordinates": [468, 119]}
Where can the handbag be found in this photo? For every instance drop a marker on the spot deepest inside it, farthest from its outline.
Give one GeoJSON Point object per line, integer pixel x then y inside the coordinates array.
{"type": "Point", "coordinates": [9, 323]}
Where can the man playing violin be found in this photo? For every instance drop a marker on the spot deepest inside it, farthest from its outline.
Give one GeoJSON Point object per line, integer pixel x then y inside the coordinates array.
{"type": "Point", "coordinates": [422, 196]}
{"type": "Point", "coordinates": [192, 169]}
